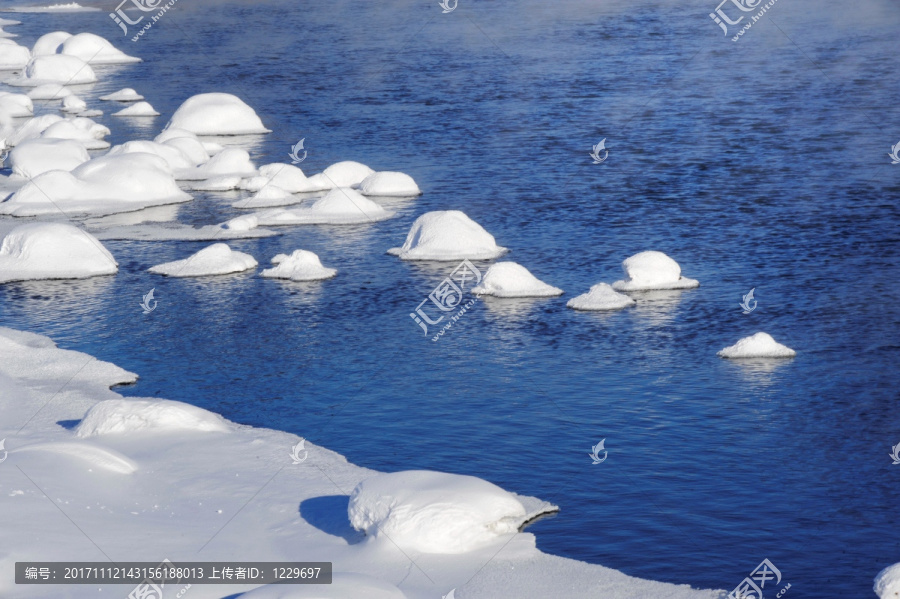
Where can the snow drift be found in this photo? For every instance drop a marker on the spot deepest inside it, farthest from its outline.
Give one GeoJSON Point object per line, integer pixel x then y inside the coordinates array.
{"type": "Point", "coordinates": [217, 259]}
{"type": "Point", "coordinates": [52, 251]}
{"type": "Point", "coordinates": [36, 156]}
{"type": "Point", "coordinates": [447, 235]}
{"type": "Point", "coordinates": [129, 416]}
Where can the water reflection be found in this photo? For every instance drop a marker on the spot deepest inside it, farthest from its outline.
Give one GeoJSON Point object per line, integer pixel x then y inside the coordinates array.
{"type": "Point", "coordinates": [656, 308]}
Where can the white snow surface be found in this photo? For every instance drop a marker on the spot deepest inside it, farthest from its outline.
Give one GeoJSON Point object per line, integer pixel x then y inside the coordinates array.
{"type": "Point", "coordinates": [221, 183]}
{"type": "Point", "coordinates": [12, 55]}
{"type": "Point", "coordinates": [216, 114]}
{"type": "Point", "coordinates": [301, 265]}
{"type": "Point", "coordinates": [15, 105]}
{"type": "Point", "coordinates": [129, 416]}
{"type": "Point", "coordinates": [126, 94]}
{"type": "Point", "coordinates": [389, 183]}
{"type": "Point", "coordinates": [35, 156]}
{"type": "Point", "coordinates": [94, 49]}
{"type": "Point", "coordinates": [340, 206]}
{"type": "Point", "coordinates": [760, 345]}
{"type": "Point", "coordinates": [887, 583]}
{"type": "Point", "coordinates": [49, 91]}
{"type": "Point", "coordinates": [52, 251]}
{"type": "Point", "coordinates": [49, 43]}
{"type": "Point", "coordinates": [55, 68]}
{"type": "Point", "coordinates": [73, 104]}
{"type": "Point", "coordinates": [652, 270]}
{"type": "Point", "coordinates": [286, 176]}
{"type": "Point", "coordinates": [241, 227]}
{"type": "Point", "coordinates": [447, 235]}
{"type": "Point", "coordinates": [174, 157]}
{"type": "Point", "coordinates": [268, 196]}
{"type": "Point", "coordinates": [600, 297]}
{"type": "Point", "coordinates": [137, 109]}
{"type": "Point", "coordinates": [217, 259]}
{"type": "Point", "coordinates": [341, 174]}
{"type": "Point", "coordinates": [230, 161]}
{"type": "Point", "coordinates": [508, 279]}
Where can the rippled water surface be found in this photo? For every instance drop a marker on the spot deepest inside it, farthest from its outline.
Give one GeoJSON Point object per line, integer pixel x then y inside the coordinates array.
{"type": "Point", "coordinates": [758, 164]}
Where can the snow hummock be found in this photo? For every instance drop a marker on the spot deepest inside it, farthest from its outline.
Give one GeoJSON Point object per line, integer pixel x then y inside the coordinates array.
{"type": "Point", "coordinates": [340, 206]}
{"type": "Point", "coordinates": [216, 114]}
{"type": "Point", "coordinates": [508, 279]}
{"type": "Point", "coordinates": [887, 583]}
{"type": "Point", "coordinates": [388, 183]}
{"type": "Point", "coordinates": [35, 156]}
{"type": "Point", "coordinates": [126, 94]}
{"type": "Point", "coordinates": [447, 235]}
{"type": "Point", "coordinates": [73, 104]}
{"type": "Point", "coordinates": [15, 105]}
{"type": "Point", "coordinates": [12, 55]}
{"type": "Point", "coordinates": [94, 49]}
{"type": "Point", "coordinates": [268, 196]}
{"type": "Point", "coordinates": [220, 183]}
{"type": "Point", "coordinates": [760, 345]}
{"type": "Point", "coordinates": [344, 585]}
{"type": "Point", "coordinates": [137, 109]}
{"type": "Point", "coordinates": [82, 129]}
{"type": "Point", "coordinates": [230, 161]}
{"type": "Point", "coordinates": [174, 157]}
{"type": "Point", "coordinates": [129, 416]}
{"type": "Point", "coordinates": [301, 265]}
{"type": "Point", "coordinates": [52, 251]}
{"type": "Point", "coordinates": [286, 176]}
{"type": "Point", "coordinates": [217, 259]}
{"type": "Point", "coordinates": [49, 91]}
{"type": "Point", "coordinates": [55, 68]}
{"type": "Point", "coordinates": [652, 270]}
{"type": "Point", "coordinates": [600, 297]}
{"type": "Point", "coordinates": [341, 174]}
{"type": "Point", "coordinates": [49, 43]}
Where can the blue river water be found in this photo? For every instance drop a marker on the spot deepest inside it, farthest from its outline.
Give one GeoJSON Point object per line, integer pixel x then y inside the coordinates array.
{"type": "Point", "coordinates": [761, 163]}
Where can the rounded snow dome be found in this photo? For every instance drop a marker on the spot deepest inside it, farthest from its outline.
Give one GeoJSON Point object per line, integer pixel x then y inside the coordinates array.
{"type": "Point", "coordinates": [760, 345]}
{"type": "Point", "coordinates": [650, 271]}
{"type": "Point", "coordinates": [94, 49]}
{"type": "Point", "coordinates": [447, 235]}
{"type": "Point", "coordinates": [508, 279]}
{"type": "Point", "coordinates": [600, 297]}
{"type": "Point", "coordinates": [57, 68]}
{"type": "Point", "coordinates": [887, 583]}
{"type": "Point", "coordinates": [216, 114]}
{"type": "Point", "coordinates": [388, 183]}
{"type": "Point", "coordinates": [53, 251]}
{"type": "Point", "coordinates": [49, 43]}
{"type": "Point", "coordinates": [128, 416]}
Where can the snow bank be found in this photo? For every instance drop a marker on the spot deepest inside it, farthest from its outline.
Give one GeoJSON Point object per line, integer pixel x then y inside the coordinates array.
{"type": "Point", "coordinates": [760, 345]}
{"type": "Point", "coordinates": [126, 94]}
{"type": "Point", "coordinates": [652, 270]}
{"type": "Point", "coordinates": [344, 585]}
{"type": "Point", "coordinates": [15, 105]}
{"type": "Point", "coordinates": [12, 55]}
{"type": "Point", "coordinates": [341, 206]}
{"type": "Point", "coordinates": [57, 68]}
{"type": "Point", "coordinates": [447, 235]}
{"type": "Point", "coordinates": [137, 109]}
{"type": "Point", "coordinates": [35, 156]}
{"type": "Point", "coordinates": [600, 297]}
{"type": "Point", "coordinates": [887, 583]}
{"type": "Point", "coordinates": [49, 43]}
{"type": "Point", "coordinates": [52, 251]}
{"type": "Point", "coordinates": [216, 114]}
{"type": "Point", "coordinates": [508, 279]}
{"type": "Point", "coordinates": [104, 185]}
{"type": "Point", "coordinates": [341, 174]}
{"type": "Point", "coordinates": [49, 91]}
{"type": "Point", "coordinates": [94, 49]}
{"type": "Point", "coordinates": [388, 183]}
{"type": "Point", "coordinates": [301, 265]}
{"type": "Point", "coordinates": [230, 161]}
{"type": "Point", "coordinates": [217, 259]}
{"type": "Point", "coordinates": [129, 416]}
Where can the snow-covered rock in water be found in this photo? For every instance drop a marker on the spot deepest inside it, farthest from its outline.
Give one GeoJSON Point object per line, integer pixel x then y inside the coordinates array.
{"type": "Point", "coordinates": [12, 55]}
{"type": "Point", "coordinates": [344, 585]}
{"type": "Point", "coordinates": [126, 94]}
{"type": "Point", "coordinates": [223, 183]}
{"type": "Point", "coordinates": [52, 251]}
{"type": "Point", "coordinates": [130, 416]}
{"type": "Point", "coordinates": [216, 114]}
{"type": "Point", "coordinates": [508, 279]}
{"type": "Point", "coordinates": [32, 128]}
{"type": "Point", "coordinates": [887, 583]}
{"type": "Point", "coordinates": [73, 104]}
{"type": "Point", "coordinates": [435, 512]}
{"type": "Point", "coordinates": [35, 156]}
{"type": "Point", "coordinates": [652, 270]}
{"type": "Point", "coordinates": [174, 157]}
{"type": "Point", "coordinates": [760, 345]}
{"type": "Point", "coordinates": [286, 176]}
{"type": "Point", "coordinates": [270, 195]}
{"type": "Point", "coordinates": [49, 91]}
{"type": "Point", "coordinates": [15, 105]}
{"type": "Point", "coordinates": [82, 129]}
{"type": "Point", "coordinates": [104, 185]}
{"type": "Point", "coordinates": [301, 265]}
{"type": "Point", "coordinates": [600, 297]}
{"type": "Point", "coordinates": [49, 43]}
{"type": "Point", "coordinates": [56, 68]}
{"type": "Point", "coordinates": [217, 259]}
{"type": "Point", "coordinates": [341, 174]}
{"type": "Point", "coordinates": [174, 133]}
{"type": "Point", "coordinates": [94, 49]}
{"type": "Point", "coordinates": [447, 235]}
{"type": "Point", "coordinates": [192, 148]}
{"type": "Point", "coordinates": [342, 206]}
{"type": "Point", "coordinates": [137, 109]}
{"type": "Point", "coordinates": [388, 183]}
{"type": "Point", "coordinates": [230, 161]}
{"type": "Point", "coordinates": [241, 223]}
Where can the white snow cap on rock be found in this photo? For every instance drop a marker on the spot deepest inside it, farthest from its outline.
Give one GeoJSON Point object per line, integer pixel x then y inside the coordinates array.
{"type": "Point", "coordinates": [35, 156]}
{"type": "Point", "coordinates": [508, 279]}
{"type": "Point", "coordinates": [56, 68]}
{"type": "Point", "coordinates": [286, 176]}
{"type": "Point", "coordinates": [270, 195]}
{"type": "Point", "coordinates": [434, 512]}
{"type": "Point", "coordinates": [217, 259]}
{"type": "Point", "coordinates": [83, 129]}
{"type": "Point", "coordinates": [341, 174]}
{"type": "Point", "coordinates": [388, 183]}
{"type": "Point", "coordinates": [49, 91]}
{"type": "Point", "coordinates": [447, 235]}
{"type": "Point", "coordinates": [230, 161]}
{"type": "Point", "coordinates": [94, 49]}
{"type": "Point", "coordinates": [126, 94]}
{"type": "Point", "coordinates": [600, 297]}
{"type": "Point", "coordinates": [49, 43]}
{"type": "Point", "coordinates": [137, 109]}
{"type": "Point", "coordinates": [12, 55]}
{"type": "Point", "coordinates": [174, 157]}
{"type": "Point", "coordinates": [14, 105]}
{"type": "Point", "coordinates": [887, 583]}
{"type": "Point", "coordinates": [344, 585]}
{"type": "Point", "coordinates": [52, 251]}
{"type": "Point", "coordinates": [129, 416]}
{"type": "Point", "coordinates": [652, 270]}
{"type": "Point", "coordinates": [216, 114]}
{"type": "Point", "coordinates": [301, 265]}
{"type": "Point", "coordinates": [73, 104]}
{"type": "Point", "coordinates": [220, 183]}
{"type": "Point", "coordinates": [341, 206]}
{"type": "Point", "coordinates": [760, 345]}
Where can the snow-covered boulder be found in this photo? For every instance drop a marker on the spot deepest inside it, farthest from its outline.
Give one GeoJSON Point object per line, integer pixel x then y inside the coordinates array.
{"type": "Point", "coordinates": [230, 161]}
{"type": "Point", "coordinates": [126, 94]}
{"type": "Point", "coordinates": [301, 265]}
{"type": "Point", "coordinates": [12, 55]}
{"type": "Point", "coordinates": [760, 345]}
{"type": "Point", "coordinates": [216, 114]}
{"type": "Point", "coordinates": [174, 157]}
{"type": "Point", "coordinates": [221, 183]}
{"type": "Point", "coordinates": [388, 183]}
{"type": "Point", "coordinates": [190, 147]}
{"type": "Point", "coordinates": [286, 176]}
{"type": "Point", "coordinates": [508, 279]}
{"type": "Point", "coordinates": [341, 206]}
{"type": "Point", "coordinates": [341, 174]}
{"type": "Point", "coordinates": [49, 43]}
{"type": "Point", "coordinates": [447, 235]}
{"type": "Point", "coordinates": [85, 130]}
{"type": "Point", "coordinates": [35, 156]}
{"type": "Point", "coordinates": [270, 195]}
{"type": "Point", "coordinates": [56, 68]}
{"type": "Point", "coordinates": [137, 109]}
{"type": "Point", "coordinates": [241, 223]}
{"type": "Point", "coordinates": [652, 270]}
{"type": "Point", "coordinates": [94, 49]}
{"type": "Point", "coordinates": [16, 105]}
{"type": "Point", "coordinates": [344, 585]}
{"type": "Point", "coordinates": [600, 297]}
{"type": "Point", "coordinates": [73, 104]}
{"type": "Point", "coordinates": [217, 259]}
{"type": "Point", "coordinates": [49, 91]}
{"type": "Point", "coordinates": [887, 583]}
{"type": "Point", "coordinates": [130, 416]}
{"type": "Point", "coordinates": [52, 251]}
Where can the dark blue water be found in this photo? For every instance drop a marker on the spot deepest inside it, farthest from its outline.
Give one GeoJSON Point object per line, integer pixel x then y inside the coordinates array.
{"type": "Point", "coordinates": [758, 164]}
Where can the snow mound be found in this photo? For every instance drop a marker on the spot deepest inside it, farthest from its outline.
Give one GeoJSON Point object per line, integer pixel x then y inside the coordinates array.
{"type": "Point", "coordinates": [388, 183]}
{"type": "Point", "coordinates": [85, 130]}
{"type": "Point", "coordinates": [49, 43]}
{"type": "Point", "coordinates": [652, 270]}
{"type": "Point", "coordinates": [600, 297]}
{"type": "Point", "coordinates": [508, 279]}
{"type": "Point", "coordinates": [760, 345]}
{"type": "Point", "coordinates": [104, 185]}
{"type": "Point", "coordinates": [12, 55]}
{"type": "Point", "coordinates": [73, 104]}
{"type": "Point", "coordinates": [126, 94]}
{"type": "Point", "coordinates": [56, 68]}
{"type": "Point", "coordinates": [887, 583]}
{"type": "Point", "coordinates": [52, 251]}
{"type": "Point", "coordinates": [341, 174]}
{"type": "Point", "coordinates": [190, 147]}
{"type": "Point", "coordinates": [286, 176]}
{"type": "Point", "coordinates": [242, 227]}
{"type": "Point", "coordinates": [223, 183]}
{"type": "Point", "coordinates": [340, 206]}
{"type": "Point", "coordinates": [434, 512]}
{"type": "Point", "coordinates": [49, 91]}
{"type": "Point", "coordinates": [217, 259]}
{"type": "Point", "coordinates": [230, 161]}
{"type": "Point", "coordinates": [174, 157]}
{"type": "Point", "coordinates": [344, 585]}
{"type": "Point", "coordinates": [301, 265]}
{"type": "Point", "coordinates": [101, 458]}
{"type": "Point", "coordinates": [447, 235]}
{"type": "Point", "coordinates": [216, 114]}
{"type": "Point", "coordinates": [14, 105]}
{"type": "Point", "coordinates": [128, 416]}
{"type": "Point", "coordinates": [137, 109]}
{"type": "Point", "coordinates": [94, 49]}
{"type": "Point", "coordinates": [35, 156]}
